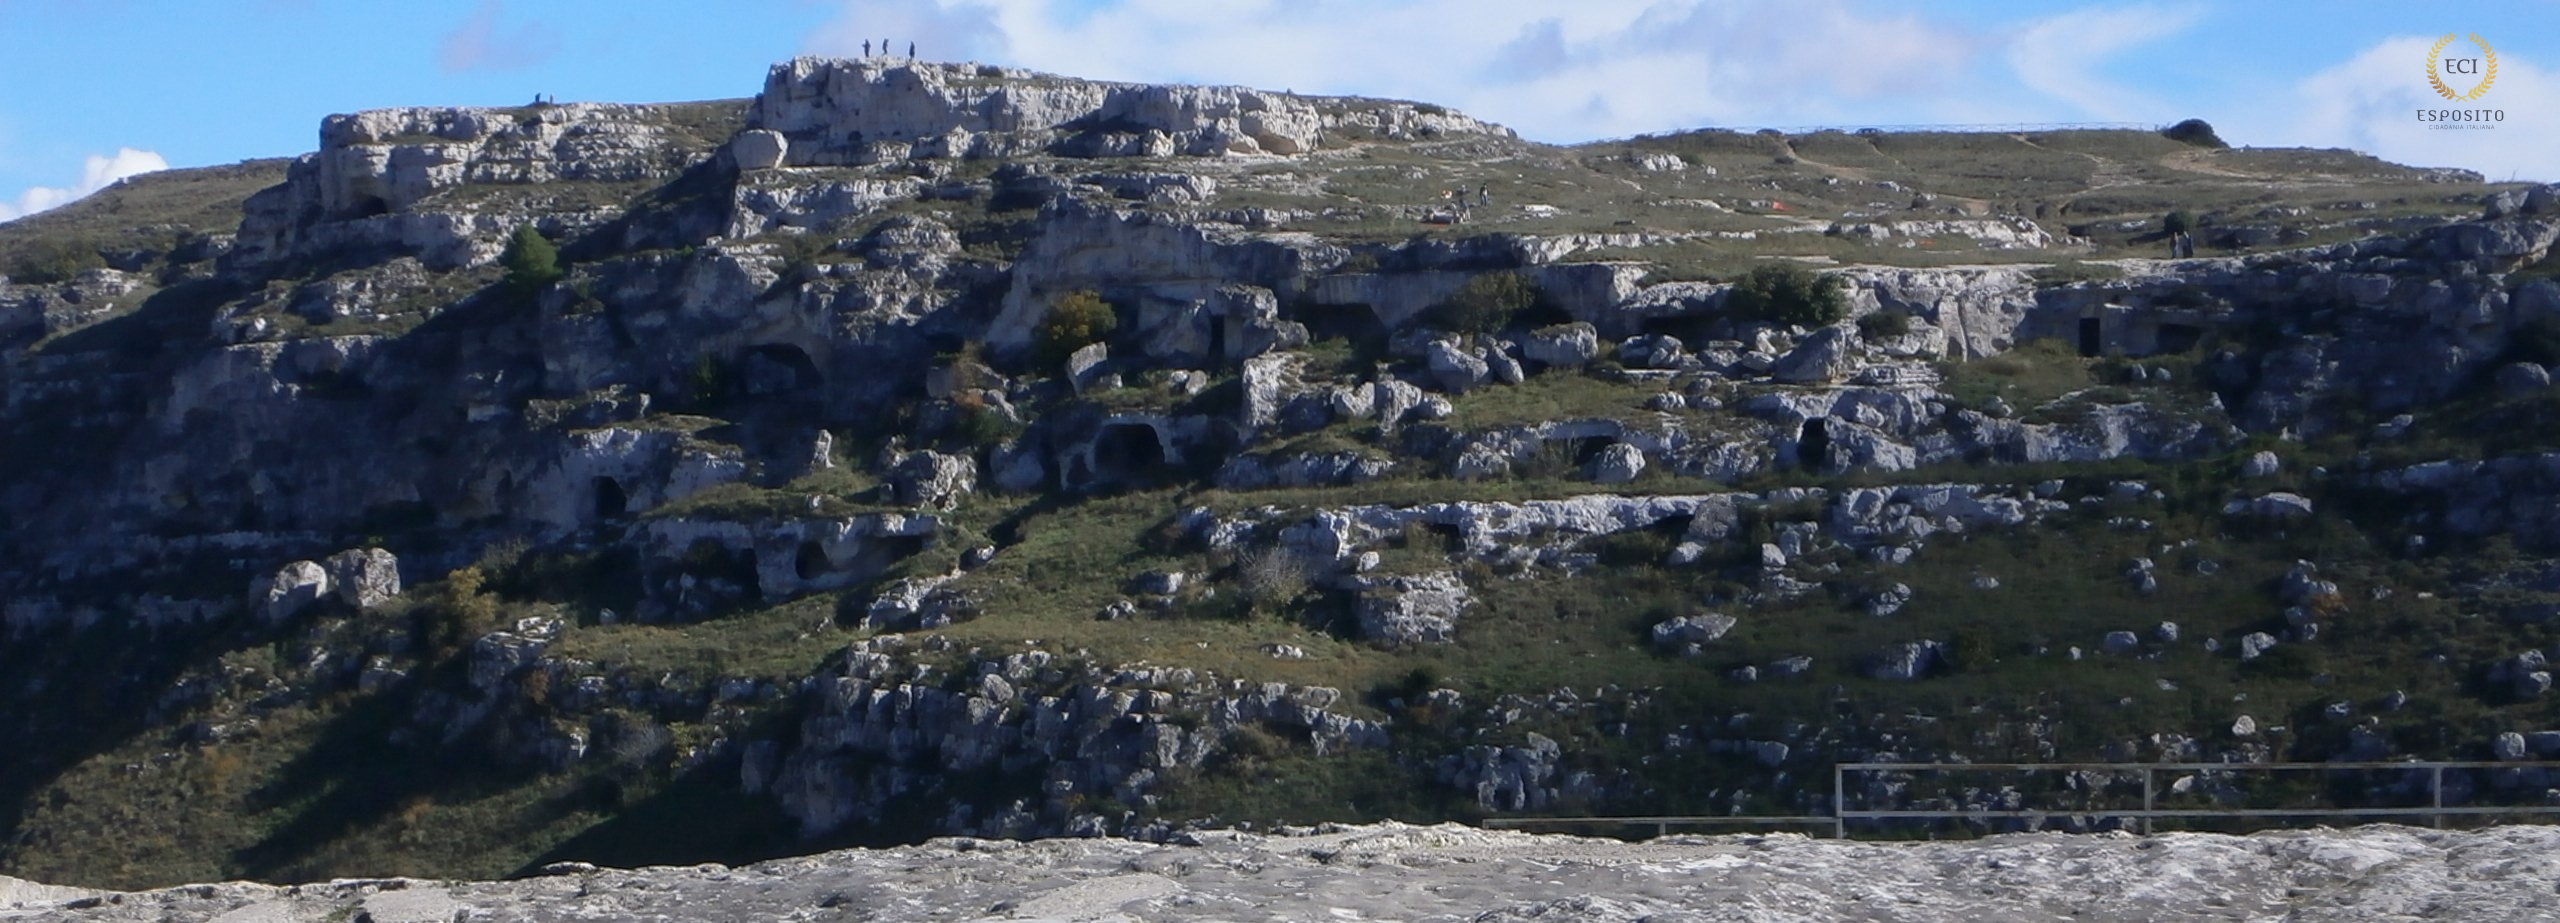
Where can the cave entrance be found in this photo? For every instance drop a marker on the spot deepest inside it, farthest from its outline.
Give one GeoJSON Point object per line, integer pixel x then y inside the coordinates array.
{"type": "Point", "coordinates": [372, 206]}
{"type": "Point", "coordinates": [1122, 450]}
{"type": "Point", "coordinates": [610, 501]}
{"type": "Point", "coordinates": [1813, 444]}
{"type": "Point", "coordinates": [779, 368]}
{"type": "Point", "coordinates": [1218, 340]}
{"type": "Point", "coordinates": [2179, 338]}
{"type": "Point", "coordinates": [811, 561]}
{"type": "Point", "coordinates": [2092, 337]}
{"type": "Point", "coordinates": [1356, 323]}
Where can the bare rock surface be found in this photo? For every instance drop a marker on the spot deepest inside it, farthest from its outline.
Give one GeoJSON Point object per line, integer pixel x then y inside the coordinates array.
{"type": "Point", "coordinates": [1399, 872]}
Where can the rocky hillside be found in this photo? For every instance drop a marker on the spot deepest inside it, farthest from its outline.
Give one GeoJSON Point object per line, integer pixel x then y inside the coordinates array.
{"type": "Point", "coordinates": [1397, 872]}
{"type": "Point", "coordinates": [924, 449]}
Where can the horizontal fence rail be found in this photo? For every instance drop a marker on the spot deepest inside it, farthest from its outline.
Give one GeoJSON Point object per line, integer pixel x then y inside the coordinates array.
{"type": "Point", "coordinates": [1955, 127]}
{"type": "Point", "coordinates": [1839, 818]}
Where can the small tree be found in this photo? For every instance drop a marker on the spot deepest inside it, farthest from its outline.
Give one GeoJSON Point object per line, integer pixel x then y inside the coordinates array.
{"type": "Point", "coordinates": [531, 261]}
{"type": "Point", "coordinates": [1785, 293]}
{"type": "Point", "coordinates": [2178, 222]}
{"type": "Point", "coordinates": [1486, 303]}
{"type": "Point", "coordinates": [1076, 320]}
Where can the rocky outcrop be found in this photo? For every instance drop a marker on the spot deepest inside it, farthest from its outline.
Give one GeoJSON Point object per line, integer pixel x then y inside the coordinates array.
{"type": "Point", "coordinates": [877, 737]}
{"type": "Point", "coordinates": [1398, 612]}
{"type": "Point", "coordinates": [363, 189]}
{"type": "Point", "coordinates": [858, 111]}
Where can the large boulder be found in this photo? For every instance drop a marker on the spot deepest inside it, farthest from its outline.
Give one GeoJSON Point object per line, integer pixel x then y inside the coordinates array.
{"type": "Point", "coordinates": [1457, 369]}
{"type": "Point", "coordinates": [1408, 611]}
{"type": "Point", "coordinates": [364, 577]}
{"type": "Point", "coordinates": [1829, 356]}
{"type": "Point", "coordinates": [294, 588]}
{"type": "Point", "coordinates": [1562, 345]}
{"type": "Point", "coordinates": [933, 479]}
{"type": "Point", "coordinates": [1620, 463]}
{"type": "Point", "coordinates": [759, 149]}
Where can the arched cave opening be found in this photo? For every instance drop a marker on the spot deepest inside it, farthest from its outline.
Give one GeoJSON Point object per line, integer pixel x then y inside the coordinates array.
{"type": "Point", "coordinates": [1125, 450]}
{"type": "Point", "coordinates": [1813, 445]}
{"type": "Point", "coordinates": [811, 561]}
{"type": "Point", "coordinates": [779, 368]}
{"type": "Point", "coordinates": [610, 501]}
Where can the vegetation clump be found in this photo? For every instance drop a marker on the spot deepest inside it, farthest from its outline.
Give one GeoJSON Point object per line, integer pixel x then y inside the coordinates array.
{"type": "Point", "coordinates": [2196, 132]}
{"type": "Point", "coordinates": [48, 262]}
{"type": "Point", "coordinates": [1075, 321]}
{"type": "Point", "coordinates": [1787, 294]}
{"type": "Point", "coordinates": [1890, 322]}
{"type": "Point", "coordinates": [1487, 303]}
{"type": "Point", "coordinates": [531, 261]}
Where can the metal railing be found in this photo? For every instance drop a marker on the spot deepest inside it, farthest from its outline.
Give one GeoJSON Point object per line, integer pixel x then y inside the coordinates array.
{"type": "Point", "coordinates": [1839, 818]}
{"type": "Point", "coordinates": [1950, 127]}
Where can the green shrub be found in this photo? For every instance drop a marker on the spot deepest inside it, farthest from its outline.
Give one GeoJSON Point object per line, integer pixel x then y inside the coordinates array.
{"type": "Point", "coordinates": [1785, 293]}
{"type": "Point", "coordinates": [2178, 222]}
{"type": "Point", "coordinates": [531, 261]}
{"type": "Point", "coordinates": [1884, 324]}
{"type": "Point", "coordinates": [52, 261]}
{"type": "Point", "coordinates": [1486, 303]}
{"type": "Point", "coordinates": [2196, 132]}
{"type": "Point", "coordinates": [1076, 320]}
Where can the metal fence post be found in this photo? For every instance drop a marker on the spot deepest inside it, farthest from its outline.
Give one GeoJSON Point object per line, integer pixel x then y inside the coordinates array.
{"type": "Point", "coordinates": [1839, 822]}
{"type": "Point", "coordinates": [2146, 801]}
{"type": "Point", "coordinates": [2439, 794]}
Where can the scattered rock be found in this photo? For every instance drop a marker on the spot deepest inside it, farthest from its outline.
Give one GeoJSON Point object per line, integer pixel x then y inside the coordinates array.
{"type": "Point", "coordinates": [2262, 464]}
{"type": "Point", "coordinates": [1408, 611]}
{"type": "Point", "coordinates": [1908, 660]}
{"type": "Point", "coordinates": [1682, 631]}
{"type": "Point", "coordinates": [1620, 463]}
{"type": "Point", "coordinates": [1889, 601]}
{"type": "Point", "coordinates": [2256, 643]}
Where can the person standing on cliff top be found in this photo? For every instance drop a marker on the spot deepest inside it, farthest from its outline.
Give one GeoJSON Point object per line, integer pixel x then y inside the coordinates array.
{"type": "Point", "coordinates": [866, 48]}
{"type": "Point", "coordinates": [911, 49]}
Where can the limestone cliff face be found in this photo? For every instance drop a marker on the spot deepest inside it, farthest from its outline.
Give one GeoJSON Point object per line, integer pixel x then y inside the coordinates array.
{"type": "Point", "coordinates": [836, 111]}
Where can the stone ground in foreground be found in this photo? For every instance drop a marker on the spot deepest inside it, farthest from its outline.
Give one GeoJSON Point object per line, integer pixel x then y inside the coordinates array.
{"type": "Point", "coordinates": [1399, 872]}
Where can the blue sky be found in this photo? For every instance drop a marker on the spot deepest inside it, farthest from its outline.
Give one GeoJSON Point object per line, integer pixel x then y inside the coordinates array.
{"type": "Point", "coordinates": [101, 88]}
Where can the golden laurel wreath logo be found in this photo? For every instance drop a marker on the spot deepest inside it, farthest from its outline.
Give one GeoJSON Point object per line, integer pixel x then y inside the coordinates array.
{"type": "Point", "coordinates": [2488, 77]}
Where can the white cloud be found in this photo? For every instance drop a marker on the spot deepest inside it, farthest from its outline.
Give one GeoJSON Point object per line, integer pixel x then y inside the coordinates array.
{"type": "Point", "coordinates": [97, 173]}
{"type": "Point", "coordinates": [481, 43]}
{"type": "Point", "coordinates": [2370, 103]}
{"type": "Point", "coordinates": [2058, 57]}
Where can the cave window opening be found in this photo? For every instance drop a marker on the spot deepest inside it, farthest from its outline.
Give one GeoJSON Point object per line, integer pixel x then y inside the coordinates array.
{"type": "Point", "coordinates": [811, 561]}
{"type": "Point", "coordinates": [2180, 338]}
{"type": "Point", "coordinates": [610, 501]}
{"type": "Point", "coordinates": [1813, 444]}
{"type": "Point", "coordinates": [2092, 338]}
{"type": "Point", "coordinates": [1126, 450]}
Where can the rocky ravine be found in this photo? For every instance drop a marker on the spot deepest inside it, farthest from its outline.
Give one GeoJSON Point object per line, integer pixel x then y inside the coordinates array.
{"type": "Point", "coordinates": [1450, 873]}
{"type": "Point", "coordinates": [779, 491]}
